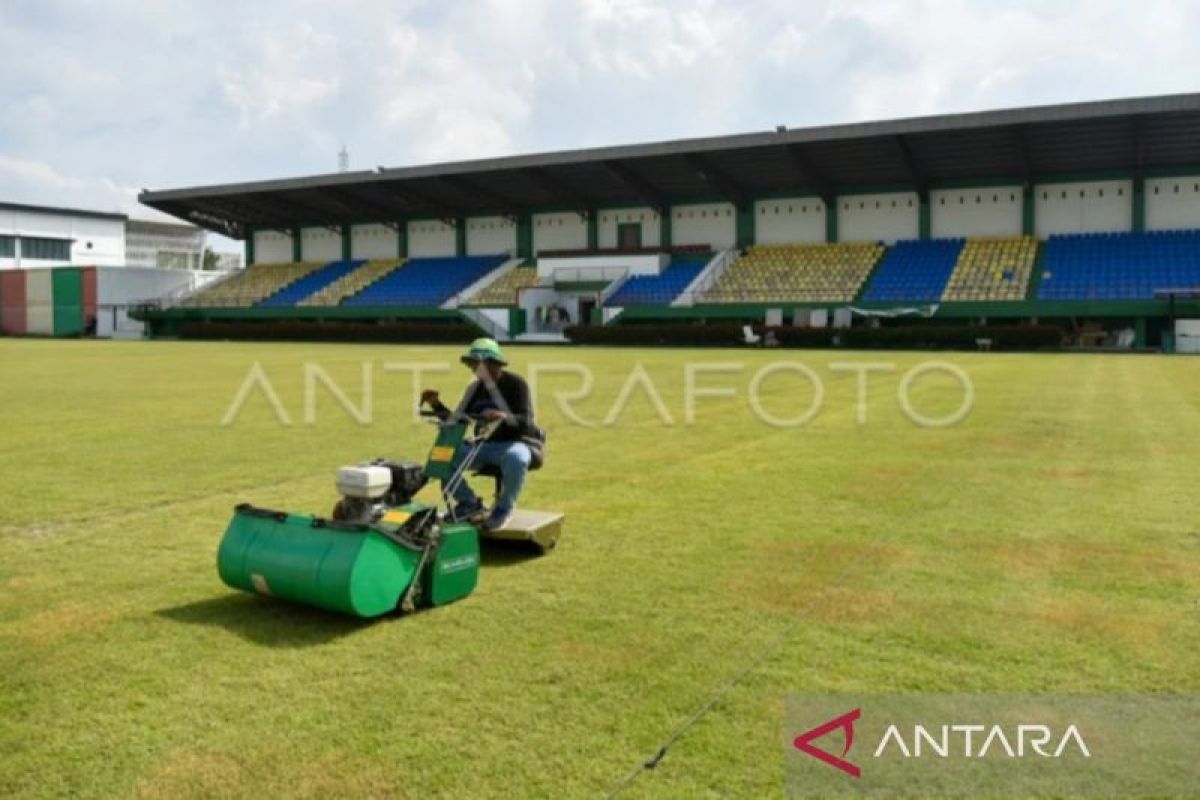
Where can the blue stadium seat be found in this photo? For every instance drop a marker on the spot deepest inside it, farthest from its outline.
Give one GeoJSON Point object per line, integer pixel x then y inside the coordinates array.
{"type": "Point", "coordinates": [914, 271]}
{"type": "Point", "coordinates": [661, 289]}
{"type": "Point", "coordinates": [314, 281]}
{"type": "Point", "coordinates": [425, 281]}
{"type": "Point", "coordinates": [1118, 266]}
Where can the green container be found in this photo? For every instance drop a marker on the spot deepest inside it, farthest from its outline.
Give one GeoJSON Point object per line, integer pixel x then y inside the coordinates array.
{"type": "Point", "coordinates": [356, 572]}
{"type": "Point", "coordinates": [455, 569]}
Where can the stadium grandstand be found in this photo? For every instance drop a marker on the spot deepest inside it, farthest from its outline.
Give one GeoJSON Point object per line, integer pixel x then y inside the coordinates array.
{"type": "Point", "coordinates": [1084, 213]}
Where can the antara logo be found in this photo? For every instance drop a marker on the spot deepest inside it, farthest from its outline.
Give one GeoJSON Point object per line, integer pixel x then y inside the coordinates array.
{"type": "Point", "coordinates": [846, 721]}
{"type": "Point", "coordinates": [944, 741]}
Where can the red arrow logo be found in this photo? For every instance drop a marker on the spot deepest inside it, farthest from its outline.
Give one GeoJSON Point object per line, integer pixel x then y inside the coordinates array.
{"type": "Point", "coordinates": [803, 742]}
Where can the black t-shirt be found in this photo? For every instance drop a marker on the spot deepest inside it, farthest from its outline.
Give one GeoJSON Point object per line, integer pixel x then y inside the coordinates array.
{"type": "Point", "coordinates": [513, 399]}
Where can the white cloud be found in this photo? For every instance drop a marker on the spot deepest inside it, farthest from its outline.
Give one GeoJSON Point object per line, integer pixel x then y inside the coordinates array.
{"type": "Point", "coordinates": [165, 93]}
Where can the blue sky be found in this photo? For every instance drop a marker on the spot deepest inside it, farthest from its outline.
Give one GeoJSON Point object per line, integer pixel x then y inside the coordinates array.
{"type": "Point", "coordinates": [103, 98]}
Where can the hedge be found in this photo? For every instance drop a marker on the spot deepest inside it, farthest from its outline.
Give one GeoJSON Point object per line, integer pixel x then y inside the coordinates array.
{"type": "Point", "coordinates": [331, 331]}
{"type": "Point", "coordinates": [912, 337]}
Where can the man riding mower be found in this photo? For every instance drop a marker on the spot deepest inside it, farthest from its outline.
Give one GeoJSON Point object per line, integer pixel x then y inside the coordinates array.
{"type": "Point", "coordinates": [516, 445]}
{"type": "Point", "coordinates": [382, 549]}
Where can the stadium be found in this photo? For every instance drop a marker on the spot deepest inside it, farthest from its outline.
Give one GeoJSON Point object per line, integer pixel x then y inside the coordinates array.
{"type": "Point", "coordinates": [793, 452]}
{"type": "Point", "coordinates": [1077, 218]}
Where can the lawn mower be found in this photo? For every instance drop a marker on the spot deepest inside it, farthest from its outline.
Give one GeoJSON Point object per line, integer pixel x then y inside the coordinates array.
{"type": "Point", "coordinates": [381, 550]}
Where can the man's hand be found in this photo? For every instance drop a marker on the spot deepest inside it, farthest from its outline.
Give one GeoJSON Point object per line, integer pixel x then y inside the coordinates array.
{"type": "Point", "coordinates": [430, 396]}
{"type": "Point", "coordinates": [492, 414]}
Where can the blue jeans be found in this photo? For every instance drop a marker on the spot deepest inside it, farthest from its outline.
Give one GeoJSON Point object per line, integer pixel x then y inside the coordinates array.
{"type": "Point", "coordinates": [513, 460]}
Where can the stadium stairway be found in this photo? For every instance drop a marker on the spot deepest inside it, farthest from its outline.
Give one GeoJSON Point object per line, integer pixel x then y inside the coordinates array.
{"type": "Point", "coordinates": [798, 273]}
{"type": "Point", "coordinates": [914, 271]}
{"type": "Point", "coordinates": [1118, 266]}
{"type": "Point", "coordinates": [311, 283]}
{"type": "Point", "coordinates": [351, 283]}
{"type": "Point", "coordinates": [661, 289]}
{"type": "Point", "coordinates": [425, 281]}
{"type": "Point", "coordinates": [992, 269]}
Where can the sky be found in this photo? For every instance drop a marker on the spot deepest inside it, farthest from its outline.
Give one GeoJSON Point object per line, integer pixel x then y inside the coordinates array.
{"type": "Point", "coordinates": [105, 98]}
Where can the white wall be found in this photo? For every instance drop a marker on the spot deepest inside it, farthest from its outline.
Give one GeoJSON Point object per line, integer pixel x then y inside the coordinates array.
{"type": "Point", "coordinates": [713, 224]}
{"type": "Point", "coordinates": [651, 226]}
{"type": "Point", "coordinates": [97, 240]}
{"type": "Point", "coordinates": [1083, 207]}
{"type": "Point", "coordinates": [878, 217]}
{"type": "Point", "coordinates": [789, 220]}
{"type": "Point", "coordinates": [565, 230]}
{"type": "Point", "coordinates": [320, 244]}
{"type": "Point", "coordinates": [374, 241]}
{"type": "Point", "coordinates": [430, 237]}
{"type": "Point", "coordinates": [490, 236]}
{"type": "Point", "coordinates": [1172, 203]}
{"type": "Point", "coordinates": [272, 247]}
{"type": "Point", "coordinates": [992, 211]}
{"type": "Point", "coordinates": [117, 288]}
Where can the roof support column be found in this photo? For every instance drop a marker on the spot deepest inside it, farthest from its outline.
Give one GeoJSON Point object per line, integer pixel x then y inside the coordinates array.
{"type": "Point", "coordinates": [1138, 223]}
{"type": "Point", "coordinates": [664, 227]}
{"type": "Point", "coordinates": [524, 235]}
{"type": "Point", "coordinates": [745, 226]}
{"type": "Point", "coordinates": [593, 229]}
{"type": "Point", "coordinates": [831, 219]}
{"type": "Point", "coordinates": [460, 236]}
{"type": "Point", "coordinates": [296, 245]}
{"type": "Point", "coordinates": [924, 221]}
{"type": "Point", "coordinates": [249, 245]}
{"type": "Point", "coordinates": [347, 240]}
{"type": "Point", "coordinates": [1028, 211]}
{"type": "Point", "coordinates": [402, 240]}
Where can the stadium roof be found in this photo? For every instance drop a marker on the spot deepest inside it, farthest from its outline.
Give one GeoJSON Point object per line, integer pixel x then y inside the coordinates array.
{"type": "Point", "coordinates": [1022, 144]}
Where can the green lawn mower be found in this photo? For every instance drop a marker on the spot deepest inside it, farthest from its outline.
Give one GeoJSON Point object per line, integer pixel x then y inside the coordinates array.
{"type": "Point", "coordinates": [381, 550]}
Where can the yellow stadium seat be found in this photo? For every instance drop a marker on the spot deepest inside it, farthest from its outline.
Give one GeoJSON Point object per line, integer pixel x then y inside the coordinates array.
{"type": "Point", "coordinates": [992, 268]}
{"type": "Point", "coordinates": [352, 283]}
{"type": "Point", "coordinates": [255, 283]}
{"type": "Point", "coordinates": [800, 273]}
{"type": "Point", "coordinates": [503, 290]}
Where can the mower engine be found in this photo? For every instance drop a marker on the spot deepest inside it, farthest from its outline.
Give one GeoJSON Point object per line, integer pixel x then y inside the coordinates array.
{"type": "Point", "coordinates": [369, 490]}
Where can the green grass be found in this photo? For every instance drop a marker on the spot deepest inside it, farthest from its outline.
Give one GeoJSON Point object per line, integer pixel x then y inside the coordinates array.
{"type": "Point", "coordinates": [1047, 543]}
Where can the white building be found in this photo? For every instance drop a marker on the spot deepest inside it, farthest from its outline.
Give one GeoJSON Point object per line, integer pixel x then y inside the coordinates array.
{"type": "Point", "coordinates": [38, 236]}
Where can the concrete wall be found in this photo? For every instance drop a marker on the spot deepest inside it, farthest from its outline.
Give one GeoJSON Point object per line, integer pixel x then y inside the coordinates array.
{"type": "Point", "coordinates": [489, 236]}
{"type": "Point", "coordinates": [564, 230]}
{"type": "Point", "coordinates": [272, 247]}
{"type": "Point", "coordinates": [994, 211]}
{"type": "Point", "coordinates": [607, 231]}
{"type": "Point", "coordinates": [713, 224]}
{"type": "Point", "coordinates": [320, 244]}
{"type": "Point", "coordinates": [878, 217]}
{"type": "Point", "coordinates": [1083, 207]}
{"type": "Point", "coordinates": [1172, 203]}
{"type": "Point", "coordinates": [374, 241]}
{"type": "Point", "coordinates": [430, 238]}
{"type": "Point", "coordinates": [789, 220]}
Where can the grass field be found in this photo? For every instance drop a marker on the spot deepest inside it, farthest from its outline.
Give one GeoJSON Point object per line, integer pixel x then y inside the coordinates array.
{"type": "Point", "coordinates": [1048, 542]}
